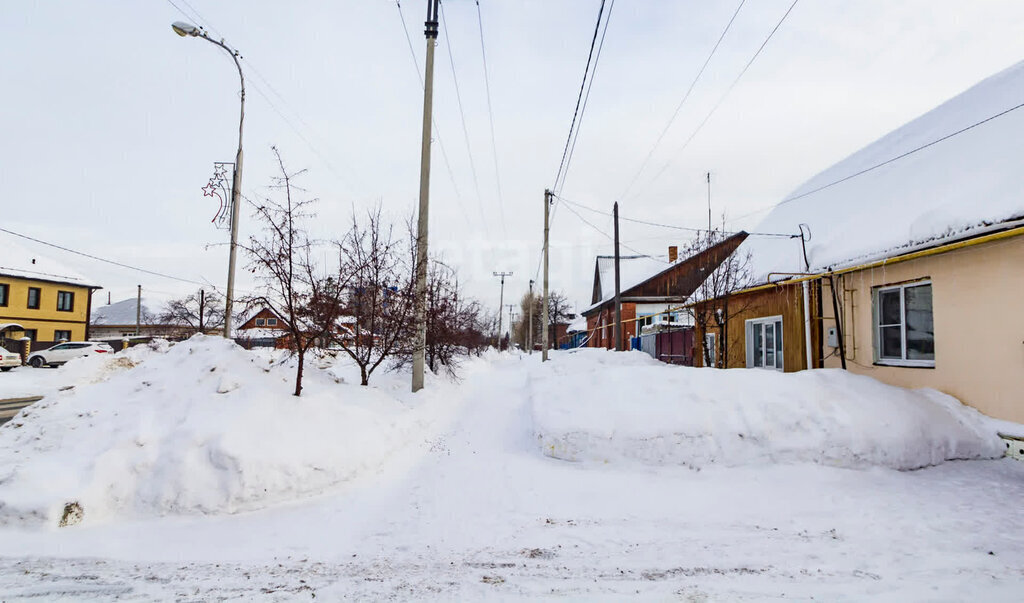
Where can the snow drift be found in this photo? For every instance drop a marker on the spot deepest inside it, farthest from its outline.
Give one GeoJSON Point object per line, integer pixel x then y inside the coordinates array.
{"type": "Point", "coordinates": [626, 407]}
{"type": "Point", "coordinates": [199, 427]}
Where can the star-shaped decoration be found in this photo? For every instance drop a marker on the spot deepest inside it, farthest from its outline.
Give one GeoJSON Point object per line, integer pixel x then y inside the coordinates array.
{"type": "Point", "coordinates": [210, 190]}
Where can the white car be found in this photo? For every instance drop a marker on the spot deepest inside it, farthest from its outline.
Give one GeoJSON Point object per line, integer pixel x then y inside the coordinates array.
{"type": "Point", "coordinates": [9, 360]}
{"type": "Point", "coordinates": [61, 353]}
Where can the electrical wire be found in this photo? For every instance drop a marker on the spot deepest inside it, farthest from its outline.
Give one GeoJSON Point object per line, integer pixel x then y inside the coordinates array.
{"type": "Point", "coordinates": [462, 116]}
{"type": "Point", "coordinates": [586, 99]}
{"type": "Point", "coordinates": [721, 99]}
{"type": "Point", "coordinates": [674, 227]}
{"type": "Point", "coordinates": [490, 115]}
{"type": "Point", "coordinates": [682, 102]}
{"type": "Point", "coordinates": [579, 99]}
{"type": "Point", "coordinates": [621, 244]}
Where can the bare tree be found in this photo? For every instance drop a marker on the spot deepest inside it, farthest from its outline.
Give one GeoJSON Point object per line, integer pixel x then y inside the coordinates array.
{"type": "Point", "coordinates": [296, 287]}
{"type": "Point", "coordinates": [558, 313]}
{"type": "Point", "coordinates": [380, 269]}
{"type": "Point", "coordinates": [195, 313]}
{"type": "Point", "coordinates": [717, 304]}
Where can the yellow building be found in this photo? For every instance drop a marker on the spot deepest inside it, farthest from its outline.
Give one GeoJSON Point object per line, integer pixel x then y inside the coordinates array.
{"type": "Point", "coordinates": [41, 299]}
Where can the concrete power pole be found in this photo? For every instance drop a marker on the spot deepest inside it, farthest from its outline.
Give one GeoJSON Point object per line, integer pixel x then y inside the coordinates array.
{"type": "Point", "coordinates": [618, 298]}
{"type": "Point", "coordinates": [501, 302]}
{"type": "Point", "coordinates": [420, 342]}
{"type": "Point", "coordinates": [544, 311]}
{"type": "Point", "coordinates": [529, 333]}
{"type": "Point", "coordinates": [138, 311]}
{"type": "Point", "coordinates": [511, 329]}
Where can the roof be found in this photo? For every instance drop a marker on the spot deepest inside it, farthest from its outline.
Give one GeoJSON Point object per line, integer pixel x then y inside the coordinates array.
{"type": "Point", "coordinates": [633, 270]}
{"type": "Point", "coordinates": [123, 312]}
{"type": "Point", "coordinates": [953, 189]}
{"type": "Point", "coordinates": [677, 280]}
{"type": "Point", "coordinates": [19, 261]}
{"type": "Point", "coordinates": [577, 325]}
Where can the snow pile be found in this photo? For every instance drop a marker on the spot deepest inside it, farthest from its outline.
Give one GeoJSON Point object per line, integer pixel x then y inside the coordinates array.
{"type": "Point", "coordinates": [611, 407]}
{"type": "Point", "coordinates": [199, 427]}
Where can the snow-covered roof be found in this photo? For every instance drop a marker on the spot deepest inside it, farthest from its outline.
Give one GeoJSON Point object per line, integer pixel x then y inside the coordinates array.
{"type": "Point", "coordinates": [123, 312]}
{"type": "Point", "coordinates": [952, 189]}
{"type": "Point", "coordinates": [20, 261]}
{"type": "Point", "coordinates": [577, 326]}
{"type": "Point", "coordinates": [260, 333]}
{"type": "Point", "coordinates": [633, 270]}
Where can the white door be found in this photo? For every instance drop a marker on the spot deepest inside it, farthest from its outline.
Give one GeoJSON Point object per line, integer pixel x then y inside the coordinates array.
{"type": "Point", "coordinates": [764, 343]}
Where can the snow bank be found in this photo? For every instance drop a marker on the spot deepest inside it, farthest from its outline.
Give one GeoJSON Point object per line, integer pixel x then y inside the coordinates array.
{"type": "Point", "coordinates": [606, 407]}
{"type": "Point", "coordinates": [199, 427]}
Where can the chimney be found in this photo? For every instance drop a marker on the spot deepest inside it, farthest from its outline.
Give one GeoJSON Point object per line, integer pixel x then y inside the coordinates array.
{"type": "Point", "coordinates": [673, 253]}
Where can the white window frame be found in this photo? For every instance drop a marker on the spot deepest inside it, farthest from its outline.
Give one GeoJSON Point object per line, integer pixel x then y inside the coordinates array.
{"type": "Point", "coordinates": [261, 322]}
{"type": "Point", "coordinates": [758, 323]}
{"type": "Point", "coordinates": [876, 327]}
{"type": "Point", "coordinates": [709, 341]}
{"type": "Point", "coordinates": [271, 322]}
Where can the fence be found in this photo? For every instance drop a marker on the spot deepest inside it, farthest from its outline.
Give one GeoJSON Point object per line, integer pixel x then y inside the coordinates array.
{"type": "Point", "coordinates": [673, 347]}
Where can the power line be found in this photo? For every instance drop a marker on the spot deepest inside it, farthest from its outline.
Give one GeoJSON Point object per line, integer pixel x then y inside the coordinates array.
{"type": "Point", "coordinates": [679, 107]}
{"type": "Point", "coordinates": [887, 161]}
{"type": "Point", "coordinates": [99, 259]}
{"type": "Point", "coordinates": [579, 98]}
{"type": "Point", "coordinates": [586, 99]}
{"type": "Point", "coordinates": [462, 115]}
{"type": "Point", "coordinates": [724, 96]}
{"type": "Point", "coordinates": [610, 237]}
{"type": "Point", "coordinates": [490, 115]}
{"type": "Point", "coordinates": [674, 227]}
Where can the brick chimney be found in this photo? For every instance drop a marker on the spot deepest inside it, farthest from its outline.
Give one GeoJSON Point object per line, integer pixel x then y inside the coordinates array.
{"type": "Point", "coordinates": [673, 253]}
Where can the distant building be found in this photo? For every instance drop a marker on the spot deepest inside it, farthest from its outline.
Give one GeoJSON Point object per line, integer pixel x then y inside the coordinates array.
{"type": "Point", "coordinates": [41, 299]}
{"type": "Point", "coordinates": [119, 320]}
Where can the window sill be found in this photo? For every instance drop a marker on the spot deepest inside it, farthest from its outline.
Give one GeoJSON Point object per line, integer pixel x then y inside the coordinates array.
{"type": "Point", "coordinates": [920, 364]}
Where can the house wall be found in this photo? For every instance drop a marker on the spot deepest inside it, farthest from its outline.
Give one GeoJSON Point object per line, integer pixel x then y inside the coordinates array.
{"type": "Point", "coordinates": [782, 300]}
{"type": "Point", "coordinates": [977, 294]}
{"type": "Point", "coordinates": [605, 337]}
{"type": "Point", "coordinates": [46, 319]}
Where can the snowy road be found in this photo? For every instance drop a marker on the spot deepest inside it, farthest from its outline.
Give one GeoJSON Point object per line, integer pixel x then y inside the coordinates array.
{"type": "Point", "coordinates": [477, 512]}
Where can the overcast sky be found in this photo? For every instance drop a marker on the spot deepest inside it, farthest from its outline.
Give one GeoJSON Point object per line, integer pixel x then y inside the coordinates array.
{"type": "Point", "coordinates": [111, 123]}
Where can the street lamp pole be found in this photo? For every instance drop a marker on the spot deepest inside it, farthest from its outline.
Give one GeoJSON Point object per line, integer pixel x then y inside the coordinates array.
{"type": "Point", "coordinates": [186, 29]}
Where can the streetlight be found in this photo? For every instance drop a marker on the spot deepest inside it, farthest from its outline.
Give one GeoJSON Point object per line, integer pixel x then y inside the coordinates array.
{"type": "Point", "coordinates": [187, 29]}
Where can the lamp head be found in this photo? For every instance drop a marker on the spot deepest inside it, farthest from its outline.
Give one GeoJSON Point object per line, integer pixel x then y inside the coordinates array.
{"type": "Point", "coordinates": [184, 29]}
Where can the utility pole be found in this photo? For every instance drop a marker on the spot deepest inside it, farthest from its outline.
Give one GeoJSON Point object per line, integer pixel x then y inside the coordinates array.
{"type": "Point", "coordinates": [547, 212]}
{"type": "Point", "coordinates": [501, 302]}
{"type": "Point", "coordinates": [511, 330]}
{"type": "Point", "coordinates": [709, 206]}
{"type": "Point", "coordinates": [202, 310]}
{"type": "Point", "coordinates": [618, 298]}
{"type": "Point", "coordinates": [138, 310]}
{"type": "Point", "coordinates": [420, 342]}
{"type": "Point", "coordinates": [529, 333]}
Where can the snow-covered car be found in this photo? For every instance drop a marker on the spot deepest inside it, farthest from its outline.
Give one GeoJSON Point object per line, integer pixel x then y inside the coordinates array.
{"type": "Point", "coordinates": [9, 360]}
{"type": "Point", "coordinates": [61, 353]}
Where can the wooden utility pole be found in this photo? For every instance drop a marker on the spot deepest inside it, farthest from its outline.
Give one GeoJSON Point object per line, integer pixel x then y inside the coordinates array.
{"type": "Point", "coordinates": [420, 342]}
{"type": "Point", "coordinates": [511, 329]}
{"type": "Point", "coordinates": [618, 298]}
{"type": "Point", "coordinates": [202, 311]}
{"type": "Point", "coordinates": [529, 310]}
{"type": "Point", "coordinates": [501, 302]}
{"type": "Point", "coordinates": [544, 311]}
{"type": "Point", "coordinates": [138, 311]}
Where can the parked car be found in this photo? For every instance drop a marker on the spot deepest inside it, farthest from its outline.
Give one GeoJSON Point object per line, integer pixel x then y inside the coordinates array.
{"type": "Point", "coordinates": [61, 353]}
{"type": "Point", "coordinates": [9, 360]}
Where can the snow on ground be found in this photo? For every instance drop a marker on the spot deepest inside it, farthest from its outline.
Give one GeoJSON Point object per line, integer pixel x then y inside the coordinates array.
{"type": "Point", "coordinates": [601, 407]}
{"type": "Point", "coordinates": [476, 511]}
{"type": "Point", "coordinates": [199, 427]}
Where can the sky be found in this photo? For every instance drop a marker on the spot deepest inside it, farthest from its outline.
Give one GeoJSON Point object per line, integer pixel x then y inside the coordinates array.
{"type": "Point", "coordinates": [111, 123]}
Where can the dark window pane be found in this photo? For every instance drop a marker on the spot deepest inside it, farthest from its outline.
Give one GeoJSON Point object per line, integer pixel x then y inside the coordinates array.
{"type": "Point", "coordinates": [769, 344]}
{"type": "Point", "coordinates": [778, 343]}
{"type": "Point", "coordinates": [758, 346]}
{"type": "Point", "coordinates": [891, 346]}
{"type": "Point", "coordinates": [889, 307]}
{"type": "Point", "coordinates": [920, 326]}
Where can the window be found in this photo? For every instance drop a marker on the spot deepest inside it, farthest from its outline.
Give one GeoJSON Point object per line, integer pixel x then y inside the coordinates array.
{"type": "Point", "coordinates": [904, 328]}
{"type": "Point", "coordinates": [764, 343]}
{"type": "Point", "coordinates": [712, 351]}
{"type": "Point", "coordinates": [59, 335]}
{"type": "Point", "coordinates": [271, 322]}
{"type": "Point", "coordinates": [33, 298]}
{"type": "Point", "coordinates": [65, 301]}
{"type": "Point", "coordinates": [4, 292]}
{"type": "Point", "coordinates": [260, 322]}
{"type": "Point", "coordinates": [31, 334]}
